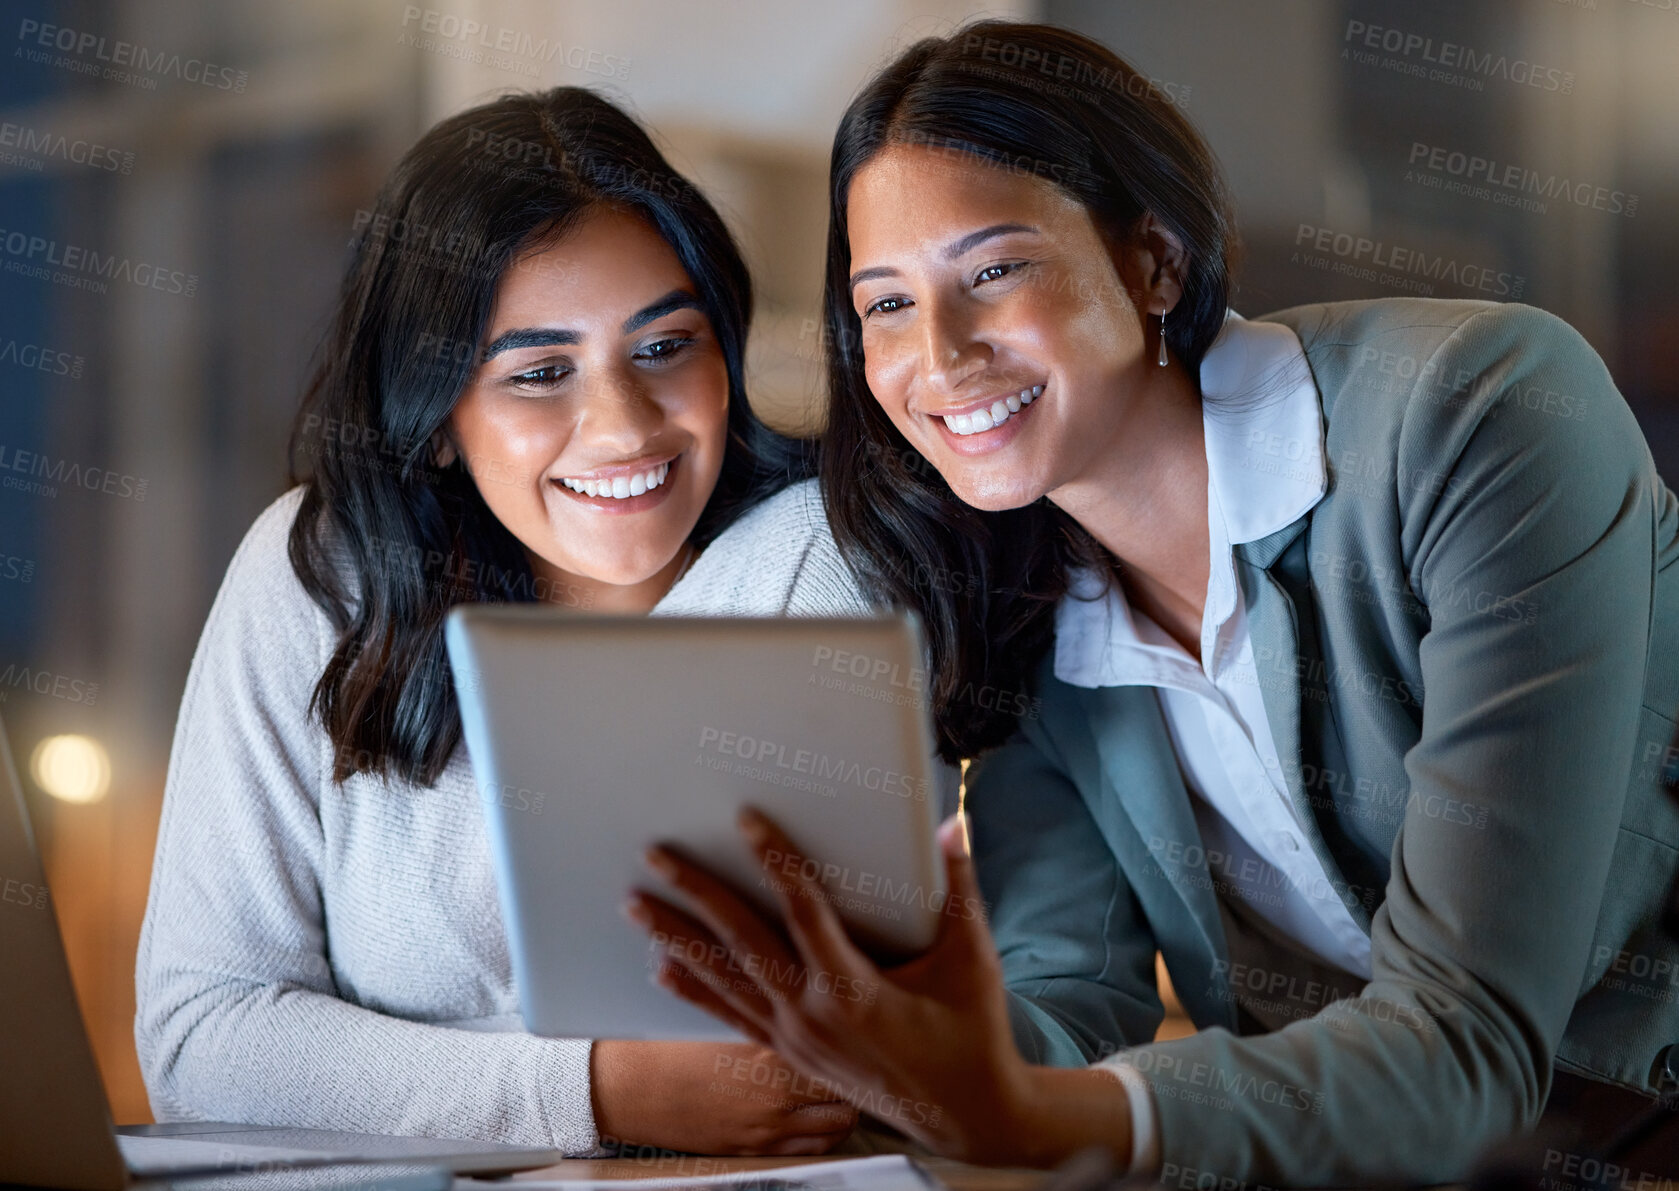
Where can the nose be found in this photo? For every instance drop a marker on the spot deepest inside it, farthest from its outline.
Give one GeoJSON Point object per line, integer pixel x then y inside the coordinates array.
{"type": "Point", "coordinates": [619, 415]}
{"type": "Point", "coordinates": [952, 350]}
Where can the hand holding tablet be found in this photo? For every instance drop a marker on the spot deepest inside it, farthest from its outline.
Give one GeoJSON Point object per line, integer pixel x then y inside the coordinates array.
{"type": "Point", "coordinates": [593, 738]}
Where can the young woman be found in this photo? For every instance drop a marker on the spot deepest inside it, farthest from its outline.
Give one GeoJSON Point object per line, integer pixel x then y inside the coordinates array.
{"type": "Point", "coordinates": [1353, 636]}
{"type": "Point", "coordinates": [532, 391]}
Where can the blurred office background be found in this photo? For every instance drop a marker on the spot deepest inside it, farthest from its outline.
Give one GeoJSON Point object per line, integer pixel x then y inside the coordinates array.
{"type": "Point", "coordinates": [167, 404]}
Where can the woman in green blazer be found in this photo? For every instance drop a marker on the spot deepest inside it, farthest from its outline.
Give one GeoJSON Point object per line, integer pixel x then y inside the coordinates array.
{"type": "Point", "coordinates": [1333, 656]}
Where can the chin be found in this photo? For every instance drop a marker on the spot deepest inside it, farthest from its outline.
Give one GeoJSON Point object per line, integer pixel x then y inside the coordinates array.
{"type": "Point", "coordinates": [996, 498]}
{"type": "Point", "coordinates": [624, 576]}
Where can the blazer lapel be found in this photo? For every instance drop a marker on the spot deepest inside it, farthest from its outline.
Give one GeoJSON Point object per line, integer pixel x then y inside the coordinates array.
{"type": "Point", "coordinates": [1149, 825]}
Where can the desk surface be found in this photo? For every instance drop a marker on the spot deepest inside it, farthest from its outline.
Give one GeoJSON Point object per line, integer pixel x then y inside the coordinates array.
{"type": "Point", "coordinates": [958, 1176]}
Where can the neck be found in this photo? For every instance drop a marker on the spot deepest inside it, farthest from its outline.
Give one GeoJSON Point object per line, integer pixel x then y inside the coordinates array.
{"type": "Point", "coordinates": [580, 592]}
{"type": "Point", "coordinates": [1144, 498]}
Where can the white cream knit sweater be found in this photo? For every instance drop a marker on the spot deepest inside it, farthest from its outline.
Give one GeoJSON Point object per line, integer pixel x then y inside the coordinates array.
{"type": "Point", "coordinates": [333, 957]}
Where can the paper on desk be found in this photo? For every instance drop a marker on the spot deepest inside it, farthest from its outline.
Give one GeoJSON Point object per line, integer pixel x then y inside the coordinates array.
{"type": "Point", "coordinates": [878, 1172]}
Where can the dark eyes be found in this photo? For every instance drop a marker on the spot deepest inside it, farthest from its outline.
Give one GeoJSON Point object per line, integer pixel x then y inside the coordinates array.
{"type": "Point", "coordinates": [988, 274]}
{"type": "Point", "coordinates": [663, 350]}
{"type": "Point", "coordinates": [658, 354]}
{"type": "Point", "coordinates": [545, 377]}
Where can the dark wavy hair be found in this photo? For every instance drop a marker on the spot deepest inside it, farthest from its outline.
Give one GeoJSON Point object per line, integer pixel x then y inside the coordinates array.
{"type": "Point", "coordinates": [475, 194]}
{"type": "Point", "coordinates": [1036, 99]}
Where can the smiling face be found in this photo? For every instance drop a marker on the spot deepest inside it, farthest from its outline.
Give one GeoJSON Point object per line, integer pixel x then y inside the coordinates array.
{"type": "Point", "coordinates": [595, 425]}
{"type": "Point", "coordinates": [1005, 339]}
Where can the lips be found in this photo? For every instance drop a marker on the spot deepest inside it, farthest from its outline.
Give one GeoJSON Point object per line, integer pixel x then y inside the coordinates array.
{"type": "Point", "coordinates": [989, 417]}
{"type": "Point", "coordinates": [621, 490]}
{"type": "Point", "coordinates": [619, 487]}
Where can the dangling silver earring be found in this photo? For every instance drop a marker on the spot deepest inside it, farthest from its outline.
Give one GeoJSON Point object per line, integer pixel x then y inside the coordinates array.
{"type": "Point", "coordinates": [1163, 339]}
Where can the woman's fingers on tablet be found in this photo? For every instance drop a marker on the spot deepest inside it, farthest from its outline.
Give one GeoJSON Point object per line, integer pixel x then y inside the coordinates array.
{"type": "Point", "coordinates": [728, 916]}
{"type": "Point", "coordinates": [812, 922]}
{"type": "Point", "coordinates": [698, 989]}
{"type": "Point", "coordinates": [684, 941]}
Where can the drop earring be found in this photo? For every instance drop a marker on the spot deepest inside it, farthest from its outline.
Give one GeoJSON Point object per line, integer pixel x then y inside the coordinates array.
{"type": "Point", "coordinates": [1163, 339]}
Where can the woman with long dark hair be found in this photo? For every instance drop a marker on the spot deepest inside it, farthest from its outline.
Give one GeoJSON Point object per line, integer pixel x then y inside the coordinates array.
{"type": "Point", "coordinates": [1348, 637]}
{"type": "Point", "coordinates": [532, 391]}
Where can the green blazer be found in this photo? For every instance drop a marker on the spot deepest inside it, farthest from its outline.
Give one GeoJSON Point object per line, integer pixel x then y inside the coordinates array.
{"type": "Point", "coordinates": [1469, 655]}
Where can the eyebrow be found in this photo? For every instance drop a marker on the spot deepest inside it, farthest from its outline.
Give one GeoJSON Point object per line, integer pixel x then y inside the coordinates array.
{"type": "Point", "coordinates": [510, 341]}
{"type": "Point", "coordinates": [966, 244]}
{"type": "Point", "coordinates": [677, 299]}
{"type": "Point", "coordinates": [524, 337]}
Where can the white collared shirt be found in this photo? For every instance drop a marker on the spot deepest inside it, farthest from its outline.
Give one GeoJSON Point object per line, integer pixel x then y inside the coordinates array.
{"type": "Point", "coordinates": [1265, 470]}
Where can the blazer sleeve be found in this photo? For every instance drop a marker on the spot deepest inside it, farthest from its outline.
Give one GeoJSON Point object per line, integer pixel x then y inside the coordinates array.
{"type": "Point", "coordinates": [1077, 951]}
{"type": "Point", "coordinates": [1481, 944]}
{"type": "Point", "coordinates": [238, 1015]}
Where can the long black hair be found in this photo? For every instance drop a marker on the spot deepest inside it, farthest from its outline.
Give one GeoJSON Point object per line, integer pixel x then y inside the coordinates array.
{"type": "Point", "coordinates": [1058, 105]}
{"type": "Point", "coordinates": [385, 540]}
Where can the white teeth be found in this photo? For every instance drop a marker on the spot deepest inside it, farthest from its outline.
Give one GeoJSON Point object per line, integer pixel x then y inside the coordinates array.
{"type": "Point", "coordinates": [989, 419]}
{"type": "Point", "coordinates": [620, 487]}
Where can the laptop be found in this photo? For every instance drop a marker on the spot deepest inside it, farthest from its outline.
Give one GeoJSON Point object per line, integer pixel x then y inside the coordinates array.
{"type": "Point", "coordinates": [592, 737]}
{"type": "Point", "coordinates": [55, 1123]}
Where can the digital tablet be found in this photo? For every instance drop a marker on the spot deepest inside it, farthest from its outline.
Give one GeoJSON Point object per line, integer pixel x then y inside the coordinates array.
{"type": "Point", "coordinates": [592, 737]}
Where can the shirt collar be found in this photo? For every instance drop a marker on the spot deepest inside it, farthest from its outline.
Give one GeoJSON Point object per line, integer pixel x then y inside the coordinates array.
{"type": "Point", "coordinates": [1263, 428]}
